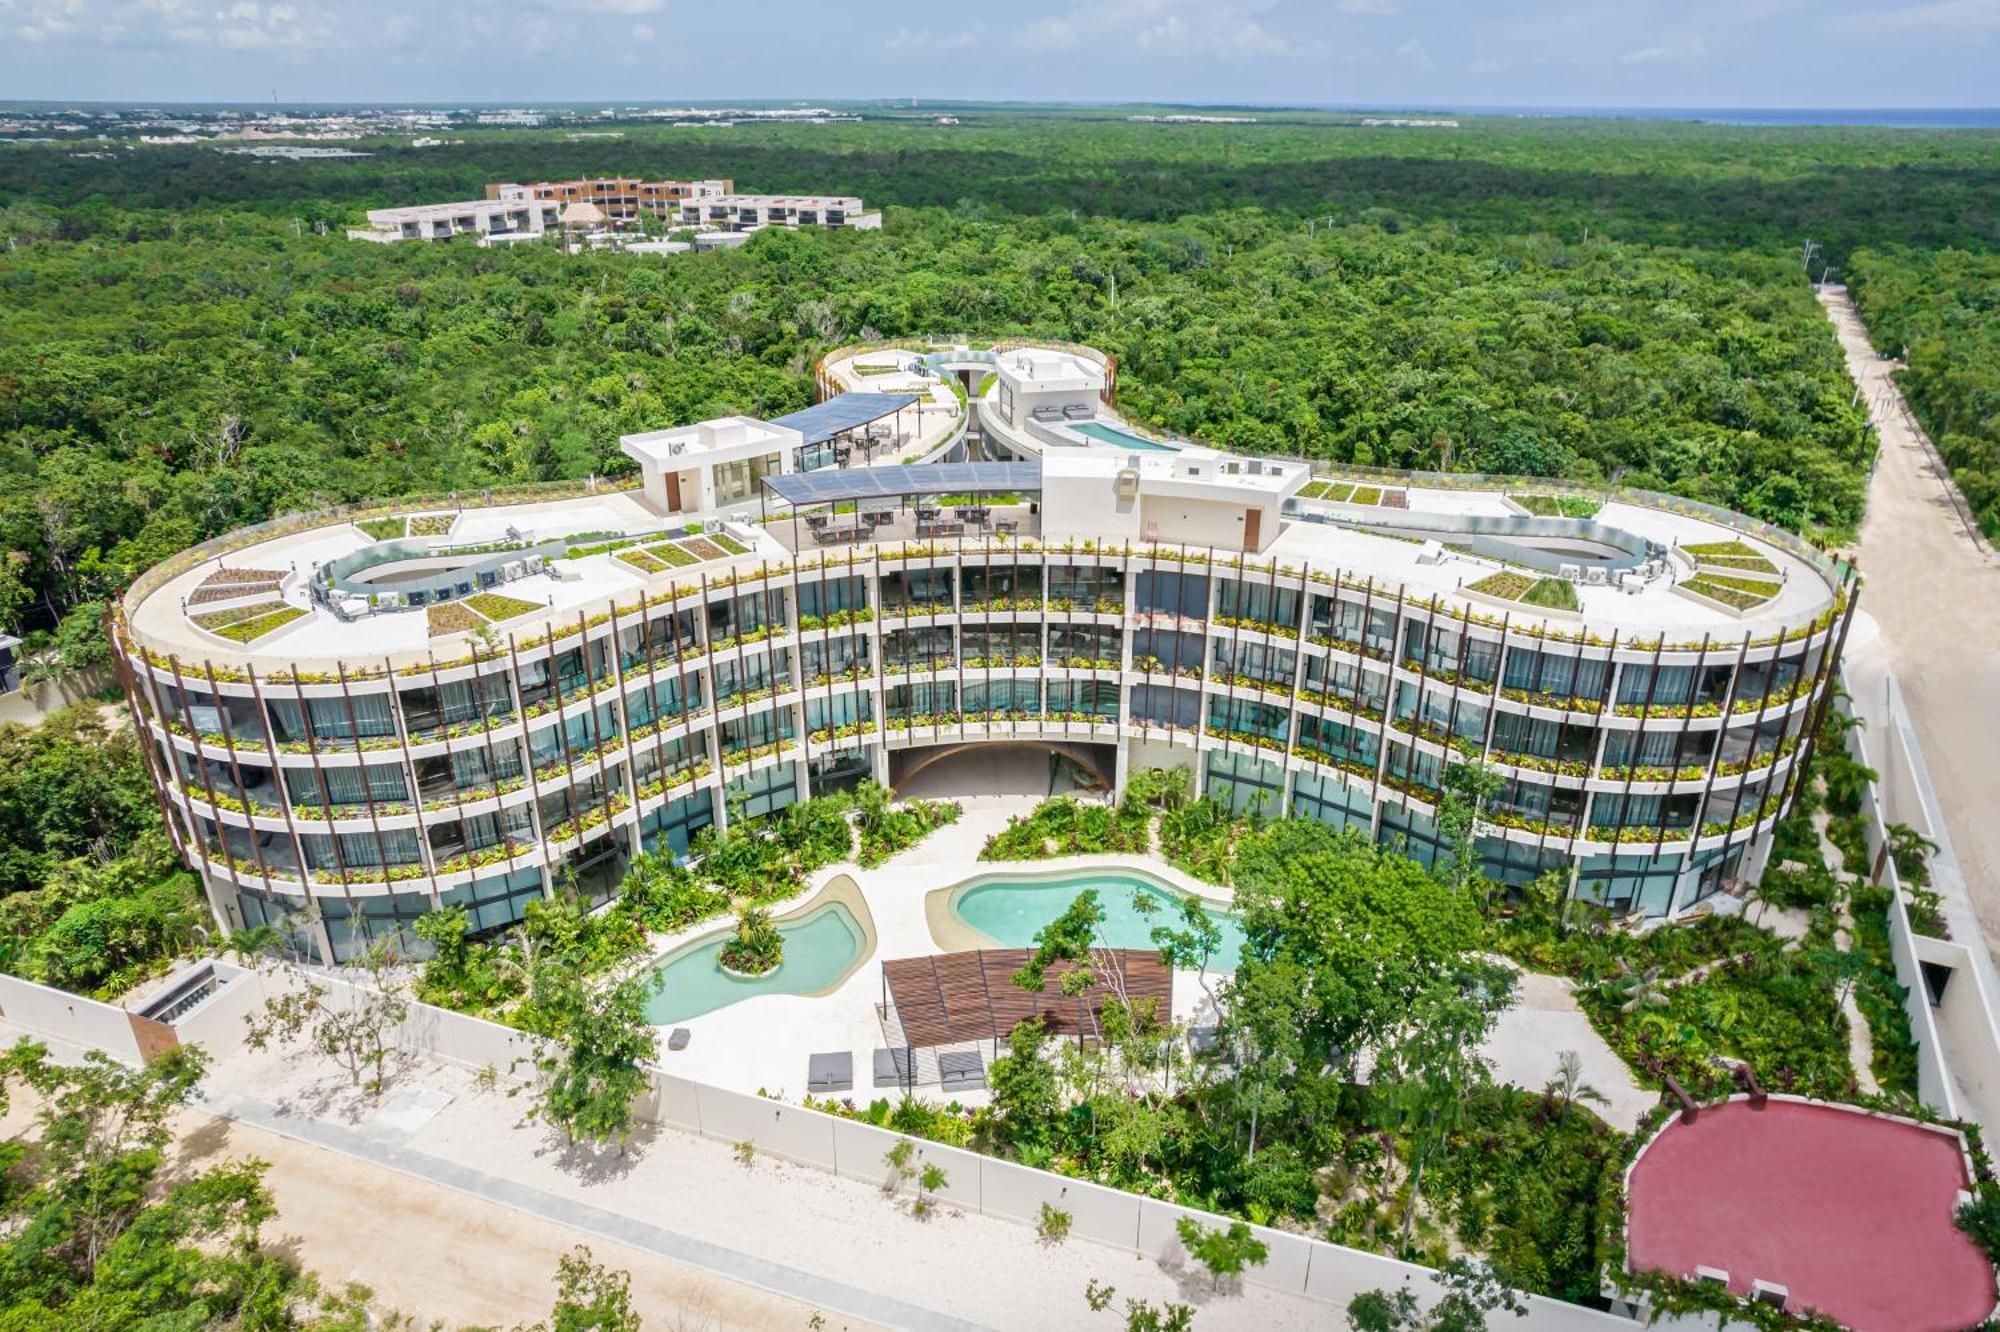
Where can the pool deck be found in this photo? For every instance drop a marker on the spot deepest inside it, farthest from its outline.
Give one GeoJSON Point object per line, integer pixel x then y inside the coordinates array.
{"type": "Point", "coordinates": [764, 1043]}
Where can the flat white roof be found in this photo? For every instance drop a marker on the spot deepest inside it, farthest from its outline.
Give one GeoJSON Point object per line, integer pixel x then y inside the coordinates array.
{"type": "Point", "coordinates": [785, 200]}
{"type": "Point", "coordinates": [700, 442]}
{"type": "Point", "coordinates": [1046, 369]}
{"type": "Point", "coordinates": [428, 212]}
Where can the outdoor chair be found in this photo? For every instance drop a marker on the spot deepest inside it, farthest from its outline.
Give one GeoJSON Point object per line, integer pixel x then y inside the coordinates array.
{"type": "Point", "coordinates": [678, 1038]}
{"type": "Point", "coordinates": [832, 1072]}
{"type": "Point", "coordinates": [962, 1070]}
{"type": "Point", "coordinates": [892, 1067]}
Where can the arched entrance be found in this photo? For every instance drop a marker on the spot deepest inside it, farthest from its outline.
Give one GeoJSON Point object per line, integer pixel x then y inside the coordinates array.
{"type": "Point", "coordinates": [1031, 768]}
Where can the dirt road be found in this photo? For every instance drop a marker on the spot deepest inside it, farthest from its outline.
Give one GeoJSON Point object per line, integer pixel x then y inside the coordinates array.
{"type": "Point", "coordinates": [1934, 587]}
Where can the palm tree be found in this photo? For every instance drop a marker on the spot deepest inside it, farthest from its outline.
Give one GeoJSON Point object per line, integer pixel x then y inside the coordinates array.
{"type": "Point", "coordinates": [1909, 849]}
{"type": "Point", "coordinates": [1638, 990]}
{"type": "Point", "coordinates": [1568, 1085]}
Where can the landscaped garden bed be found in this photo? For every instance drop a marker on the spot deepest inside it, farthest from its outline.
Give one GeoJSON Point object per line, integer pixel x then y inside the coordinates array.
{"type": "Point", "coordinates": [383, 529]}
{"type": "Point", "coordinates": [1733, 597]}
{"type": "Point", "coordinates": [1557, 506]}
{"type": "Point", "coordinates": [497, 606]}
{"type": "Point", "coordinates": [275, 615]}
{"type": "Point", "coordinates": [450, 617]}
{"type": "Point", "coordinates": [1547, 593]}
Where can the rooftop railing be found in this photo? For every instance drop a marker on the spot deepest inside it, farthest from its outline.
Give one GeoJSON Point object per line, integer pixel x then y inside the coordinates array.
{"type": "Point", "coordinates": [286, 524]}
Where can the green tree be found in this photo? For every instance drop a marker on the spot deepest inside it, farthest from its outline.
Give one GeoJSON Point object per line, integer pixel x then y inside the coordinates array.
{"type": "Point", "coordinates": [590, 1297]}
{"type": "Point", "coordinates": [353, 1020]}
{"type": "Point", "coordinates": [594, 1070]}
{"type": "Point", "coordinates": [1223, 1251]}
{"type": "Point", "coordinates": [1428, 1068]}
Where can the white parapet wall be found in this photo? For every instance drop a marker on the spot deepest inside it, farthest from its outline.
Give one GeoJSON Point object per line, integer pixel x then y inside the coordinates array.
{"type": "Point", "coordinates": [1958, 1038]}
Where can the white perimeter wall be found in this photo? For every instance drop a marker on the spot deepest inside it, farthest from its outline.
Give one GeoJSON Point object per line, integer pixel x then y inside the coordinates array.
{"type": "Point", "coordinates": [60, 1016]}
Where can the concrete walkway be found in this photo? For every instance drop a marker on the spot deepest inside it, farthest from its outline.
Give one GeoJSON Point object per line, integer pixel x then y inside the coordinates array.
{"type": "Point", "coordinates": [1933, 585]}
{"type": "Point", "coordinates": [802, 1235]}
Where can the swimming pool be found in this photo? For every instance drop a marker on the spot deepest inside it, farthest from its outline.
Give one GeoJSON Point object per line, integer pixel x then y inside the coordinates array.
{"type": "Point", "coordinates": [1124, 439]}
{"type": "Point", "coordinates": [1011, 910]}
{"type": "Point", "coordinates": [821, 947]}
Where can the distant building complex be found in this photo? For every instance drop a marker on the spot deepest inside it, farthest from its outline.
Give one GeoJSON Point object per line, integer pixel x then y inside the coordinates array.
{"type": "Point", "coordinates": [485, 219]}
{"type": "Point", "coordinates": [604, 204]}
{"type": "Point", "coordinates": [747, 212]}
{"type": "Point", "coordinates": [622, 199]}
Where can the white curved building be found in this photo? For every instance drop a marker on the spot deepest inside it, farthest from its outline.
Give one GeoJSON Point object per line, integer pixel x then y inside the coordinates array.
{"type": "Point", "coordinates": [470, 699]}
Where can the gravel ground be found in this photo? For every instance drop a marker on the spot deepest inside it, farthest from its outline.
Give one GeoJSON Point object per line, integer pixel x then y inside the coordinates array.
{"type": "Point", "coordinates": [1934, 588]}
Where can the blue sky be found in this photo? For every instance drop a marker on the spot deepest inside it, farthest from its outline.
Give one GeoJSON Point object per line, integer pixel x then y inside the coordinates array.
{"type": "Point", "coordinates": [1672, 53]}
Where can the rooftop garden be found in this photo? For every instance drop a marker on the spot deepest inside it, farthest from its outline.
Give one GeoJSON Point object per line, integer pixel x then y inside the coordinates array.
{"type": "Point", "coordinates": [394, 527]}
{"type": "Point", "coordinates": [1732, 591]}
{"type": "Point", "coordinates": [1558, 506]}
{"type": "Point", "coordinates": [244, 624]}
{"type": "Point", "coordinates": [681, 552]}
{"type": "Point", "coordinates": [1347, 492]}
{"type": "Point", "coordinates": [1528, 589]}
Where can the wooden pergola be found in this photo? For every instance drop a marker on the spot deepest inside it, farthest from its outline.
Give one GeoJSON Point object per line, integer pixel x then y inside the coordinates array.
{"type": "Point", "coordinates": [959, 998]}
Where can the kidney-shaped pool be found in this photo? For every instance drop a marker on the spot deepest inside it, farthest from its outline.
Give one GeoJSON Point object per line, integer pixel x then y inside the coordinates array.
{"type": "Point", "coordinates": [821, 947]}
{"type": "Point", "coordinates": [1011, 909]}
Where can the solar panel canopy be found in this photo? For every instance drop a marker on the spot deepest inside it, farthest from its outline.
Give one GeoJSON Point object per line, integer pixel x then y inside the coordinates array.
{"type": "Point", "coordinates": [837, 485]}
{"type": "Point", "coordinates": [841, 413]}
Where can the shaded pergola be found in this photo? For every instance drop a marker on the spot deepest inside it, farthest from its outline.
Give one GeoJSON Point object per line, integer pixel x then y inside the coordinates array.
{"type": "Point", "coordinates": [849, 504]}
{"type": "Point", "coordinates": [824, 425]}
{"type": "Point", "coordinates": [962, 998]}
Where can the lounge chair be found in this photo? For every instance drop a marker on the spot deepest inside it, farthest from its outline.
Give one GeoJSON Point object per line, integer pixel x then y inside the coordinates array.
{"type": "Point", "coordinates": [962, 1070]}
{"type": "Point", "coordinates": [892, 1067]}
{"type": "Point", "coordinates": [832, 1072]}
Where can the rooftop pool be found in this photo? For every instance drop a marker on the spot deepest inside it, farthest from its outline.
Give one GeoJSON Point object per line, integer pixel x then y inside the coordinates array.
{"type": "Point", "coordinates": [1011, 909]}
{"type": "Point", "coordinates": [1124, 439]}
{"type": "Point", "coordinates": [821, 948]}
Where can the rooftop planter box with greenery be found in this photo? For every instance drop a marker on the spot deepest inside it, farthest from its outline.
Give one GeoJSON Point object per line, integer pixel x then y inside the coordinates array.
{"type": "Point", "coordinates": [1556, 594]}
{"type": "Point", "coordinates": [1556, 506]}
{"type": "Point", "coordinates": [384, 529]}
{"type": "Point", "coordinates": [496, 606]}
{"type": "Point", "coordinates": [1705, 587]}
{"type": "Point", "coordinates": [450, 617]}
{"type": "Point", "coordinates": [246, 624]}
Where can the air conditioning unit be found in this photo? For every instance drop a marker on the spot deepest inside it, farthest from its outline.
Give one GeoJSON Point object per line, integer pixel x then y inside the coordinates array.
{"type": "Point", "coordinates": [1126, 484]}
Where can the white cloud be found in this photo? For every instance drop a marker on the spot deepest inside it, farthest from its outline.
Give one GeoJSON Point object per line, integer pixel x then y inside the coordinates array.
{"type": "Point", "coordinates": [1048, 34]}
{"type": "Point", "coordinates": [643, 32]}
{"type": "Point", "coordinates": [1958, 18]}
{"type": "Point", "coordinates": [1485, 66]}
{"type": "Point", "coordinates": [1414, 52]}
{"type": "Point", "coordinates": [1645, 55]}
{"type": "Point", "coordinates": [609, 6]}
{"type": "Point", "coordinates": [1164, 28]}
{"type": "Point", "coordinates": [1369, 6]}
{"type": "Point", "coordinates": [47, 20]}
{"type": "Point", "coordinates": [910, 41]}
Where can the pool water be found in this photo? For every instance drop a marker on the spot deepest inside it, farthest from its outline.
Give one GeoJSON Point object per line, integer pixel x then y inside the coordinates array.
{"type": "Point", "coordinates": [1012, 911]}
{"type": "Point", "coordinates": [820, 947]}
{"type": "Point", "coordinates": [1105, 434]}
